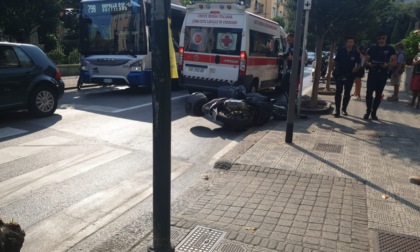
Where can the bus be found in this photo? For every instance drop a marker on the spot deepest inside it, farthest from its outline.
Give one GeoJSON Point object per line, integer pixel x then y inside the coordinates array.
{"type": "Point", "coordinates": [115, 41]}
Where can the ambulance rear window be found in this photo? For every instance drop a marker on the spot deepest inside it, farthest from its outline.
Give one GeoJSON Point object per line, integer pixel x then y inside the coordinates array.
{"type": "Point", "coordinates": [213, 40]}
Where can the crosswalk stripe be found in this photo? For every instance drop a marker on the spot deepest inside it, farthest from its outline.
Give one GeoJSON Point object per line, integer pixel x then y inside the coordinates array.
{"type": "Point", "coordinates": [12, 153]}
{"type": "Point", "coordinates": [66, 228]}
{"type": "Point", "coordinates": [18, 187]}
{"type": "Point", "coordinates": [113, 110]}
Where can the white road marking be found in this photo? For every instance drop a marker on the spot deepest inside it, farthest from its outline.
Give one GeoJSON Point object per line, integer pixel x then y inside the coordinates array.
{"type": "Point", "coordinates": [145, 105]}
{"type": "Point", "coordinates": [19, 187]}
{"type": "Point", "coordinates": [63, 230]}
{"type": "Point", "coordinates": [112, 110]}
{"type": "Point", "coordinates": [12, 153]}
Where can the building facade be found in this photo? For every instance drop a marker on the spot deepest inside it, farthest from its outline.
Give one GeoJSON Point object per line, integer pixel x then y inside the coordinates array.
{"type": "Point", "coordinates": [269, 8]}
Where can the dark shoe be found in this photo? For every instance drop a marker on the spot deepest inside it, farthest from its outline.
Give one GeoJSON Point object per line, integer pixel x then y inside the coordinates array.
{"type": "Point", "coordinates": [374, 117]}
{"type": "Point", "coordinates": [366, 116]}
{"type": "Point", "coordinates": [415, 180]}
{"type": "Point", "coordinates": [345, 112]}
{"type": "Point", "coordinates": [336, 115]}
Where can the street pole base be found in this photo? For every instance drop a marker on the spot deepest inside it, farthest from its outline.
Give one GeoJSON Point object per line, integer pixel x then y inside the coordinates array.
{"type": "Point", "coordinates": [150, 248]}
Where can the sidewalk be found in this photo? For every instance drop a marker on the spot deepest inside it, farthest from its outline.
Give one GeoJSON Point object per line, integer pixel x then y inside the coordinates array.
{"type": "Point", "coordinates": [341, 186]}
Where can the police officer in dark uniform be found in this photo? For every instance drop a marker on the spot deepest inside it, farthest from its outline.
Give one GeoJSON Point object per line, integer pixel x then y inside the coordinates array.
{"type": "Point", "coordinates": [380, 58]}
{"type": "Point", "coordinates": [346, 63]}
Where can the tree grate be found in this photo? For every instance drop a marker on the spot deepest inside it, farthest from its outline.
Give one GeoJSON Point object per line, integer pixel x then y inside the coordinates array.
{"type": "Point", "coordinates": [201, 239]}
{"type": "Point", "coordinates": [335, 148]}
{"type": "Point", "coordinates": [387, 242]}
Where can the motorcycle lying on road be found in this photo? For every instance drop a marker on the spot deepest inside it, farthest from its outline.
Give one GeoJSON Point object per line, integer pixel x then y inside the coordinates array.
{"type": "Point", "coordinates": [237, 109]}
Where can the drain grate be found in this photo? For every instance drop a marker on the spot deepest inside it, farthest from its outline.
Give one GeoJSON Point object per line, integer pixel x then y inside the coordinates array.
{"type": "Point", "coordinates": [201, 239]}
{"type": "Point", "coordinates": [329, 147]}
{"type": "Point", "coordinates": [232, 248]}
{"type": "Point", "coordinates": [387, 242]}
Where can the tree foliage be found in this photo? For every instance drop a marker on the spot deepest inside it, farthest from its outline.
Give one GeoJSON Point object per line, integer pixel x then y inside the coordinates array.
{"type": "Point", "coordinates": [21, 18]}
{"type": "Point", "coordinates": [279, 20]}
{"type": "Point", "coordinates": [411, 43]}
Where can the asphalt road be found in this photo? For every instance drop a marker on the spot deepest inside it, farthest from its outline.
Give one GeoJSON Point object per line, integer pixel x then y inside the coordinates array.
{"type": "Point", "coordinates": [65, 177]}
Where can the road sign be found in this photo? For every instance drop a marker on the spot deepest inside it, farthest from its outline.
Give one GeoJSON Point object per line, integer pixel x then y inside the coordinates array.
{"type": "Point", "coordinates": [307, 5]}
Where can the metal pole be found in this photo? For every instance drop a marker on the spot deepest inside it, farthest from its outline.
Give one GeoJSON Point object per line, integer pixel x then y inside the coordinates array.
{"type": "Point", "coordinates": [293, 77]}
{"type": "Point", "coordinates": [303, 63]}
{"type": "Point", "coordinates": [161, 96]}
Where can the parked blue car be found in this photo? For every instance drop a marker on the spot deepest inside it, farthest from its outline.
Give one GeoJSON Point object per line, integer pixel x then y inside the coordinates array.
{"type": "Point", "coordinates": [28, 80]}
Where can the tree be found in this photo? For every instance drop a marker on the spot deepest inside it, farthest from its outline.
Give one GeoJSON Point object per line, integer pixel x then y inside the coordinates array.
{"type": "Point", "coordinates": [279, 20]}
{"type": "Point", "coordinates": [22, 18]}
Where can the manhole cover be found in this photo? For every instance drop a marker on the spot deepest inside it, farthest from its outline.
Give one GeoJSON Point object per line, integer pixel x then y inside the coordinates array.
{"type": "Point", "coordinates": [201, 239]}
{"type": "Point", "coordinates": [387, 242]}
{"type": "Point", "coordinates": [329, 147]}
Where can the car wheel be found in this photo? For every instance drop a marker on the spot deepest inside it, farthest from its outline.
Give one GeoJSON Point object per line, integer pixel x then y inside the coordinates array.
{"type": "Point", "coordinates": [43, 101]}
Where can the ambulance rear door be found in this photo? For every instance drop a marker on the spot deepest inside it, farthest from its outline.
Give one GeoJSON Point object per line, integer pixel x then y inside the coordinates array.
{"type": "Point", "coordinates": [212, 42]}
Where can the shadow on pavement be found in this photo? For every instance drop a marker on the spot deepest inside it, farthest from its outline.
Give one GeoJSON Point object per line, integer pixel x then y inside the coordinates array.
{"type": "Point", "coordinates": [357, 177]}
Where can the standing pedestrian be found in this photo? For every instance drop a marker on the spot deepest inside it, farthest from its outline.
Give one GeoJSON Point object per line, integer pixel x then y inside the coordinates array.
{"type": "Point", "coordinates": [379, 59]}
{"type": "Point", "coordinates": [397, 71]}
{"type": "Point", "coordinates": [346, 63]}
{"type": "Point", "coordinates": [80, 79]}
{"type": "Point", "coordinates": [359, 74]}
{"type": "Point", "coordinates": [415, 81]}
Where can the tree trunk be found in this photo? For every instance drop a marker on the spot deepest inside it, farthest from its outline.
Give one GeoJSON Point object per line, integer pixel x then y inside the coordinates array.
{"type": "Point", "coordinates": [318, 55]}
{"type": "Point", "coordinates": [330, 62]}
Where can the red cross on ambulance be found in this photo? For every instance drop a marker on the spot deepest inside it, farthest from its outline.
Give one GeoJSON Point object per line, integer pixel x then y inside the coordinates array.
{"type": "Point", "coordinates": [226, 41]}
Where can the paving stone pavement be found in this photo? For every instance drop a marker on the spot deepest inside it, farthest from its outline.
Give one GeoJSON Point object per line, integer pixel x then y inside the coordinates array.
{"type": "Point", "coordinates": [338, 182]}
{"type": "Point", "coordinates": [269, 209]}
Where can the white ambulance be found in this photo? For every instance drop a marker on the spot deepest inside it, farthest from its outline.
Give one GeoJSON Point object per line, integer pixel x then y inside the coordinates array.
{"type": "Point", "coordinates": [222, 44]}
